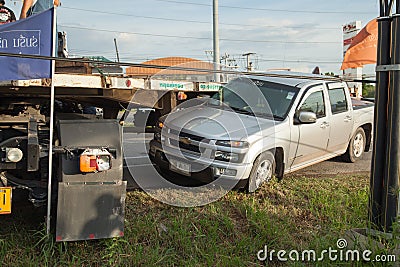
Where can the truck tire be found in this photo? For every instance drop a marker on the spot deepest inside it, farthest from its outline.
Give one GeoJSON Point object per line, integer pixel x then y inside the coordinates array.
{"type": "Point", "coordinates": [262, 171]}
{"type": "Point", "coordinates": [356, 147]}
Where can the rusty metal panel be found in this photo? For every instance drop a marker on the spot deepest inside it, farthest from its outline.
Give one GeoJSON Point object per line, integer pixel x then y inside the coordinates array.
{"type": "Point", "coordinates": [74, 80]}
{"type": "Point", "coordinates": [90, 211]}
{"type": "Point", "coordinates": [73, 67]}
{"type": "Point", "coordinates": [33, 146]}
{"type": "Point", "coordinates": [23, 83]}
{"type": "Point", "coordinates": [147, 98]}
{"type": "Point", "coordinates": [125, 83]}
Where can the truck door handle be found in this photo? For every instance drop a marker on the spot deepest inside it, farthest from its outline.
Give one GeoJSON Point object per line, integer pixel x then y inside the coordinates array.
{"type": "Point", "coordinates": [347, 118]}
{"type": "Point", "coordinates": [324, 125]}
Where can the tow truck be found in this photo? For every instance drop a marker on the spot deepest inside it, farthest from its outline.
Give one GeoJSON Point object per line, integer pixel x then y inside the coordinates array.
{"type": "Point", "coordinates": [88, 189]}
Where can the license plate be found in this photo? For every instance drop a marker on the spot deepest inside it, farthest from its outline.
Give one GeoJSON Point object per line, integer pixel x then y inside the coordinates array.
{"type": "Point", "coordinates": [179, 166]}
{"type": "Point", "coordinates": [5, 200]}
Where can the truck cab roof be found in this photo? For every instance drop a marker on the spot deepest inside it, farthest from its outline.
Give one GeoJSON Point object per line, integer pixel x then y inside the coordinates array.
{"type": "Point", "coordinates": [296, 79]}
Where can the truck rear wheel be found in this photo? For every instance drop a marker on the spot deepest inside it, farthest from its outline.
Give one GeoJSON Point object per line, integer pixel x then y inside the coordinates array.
{"type": "Point", "coordinates": [262, 171]}
{"type": "Point", "coordinates": [356, 147]}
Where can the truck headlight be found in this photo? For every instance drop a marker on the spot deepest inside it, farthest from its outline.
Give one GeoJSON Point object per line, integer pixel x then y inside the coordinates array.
{"type": "Point", "coordinates": [227, 156]}
{"type": "Point", "coordinates": [14, 154]}
{"type": "Point", "coordinates": [228, 143]}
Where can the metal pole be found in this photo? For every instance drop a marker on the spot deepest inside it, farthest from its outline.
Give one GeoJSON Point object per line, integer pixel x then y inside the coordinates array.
{"type": "Point", "coordinates": [216, 41]}
{"type": "Point", "coordinates": [248, 66]}
{"type": "Point", "coordinates": [378, 162]}
{"type": "Point", "coordinates": [392, 173]}
{"type": "Point", "coordinates": [116, 49]}
{"type": "Point", "coordinates": [52, 97]}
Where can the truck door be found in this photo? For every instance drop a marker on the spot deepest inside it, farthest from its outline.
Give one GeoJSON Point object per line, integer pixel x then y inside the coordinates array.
{"type": "Point", "coordinates": [341, 119]}
{"type": "Point", "coordinates": [313, 138]}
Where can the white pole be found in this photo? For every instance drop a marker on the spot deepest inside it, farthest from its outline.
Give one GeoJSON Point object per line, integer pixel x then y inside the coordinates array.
{"type": "Point", "coordinates": [52, 93]}
{"type": "Point", "coordinates": [216, 41]}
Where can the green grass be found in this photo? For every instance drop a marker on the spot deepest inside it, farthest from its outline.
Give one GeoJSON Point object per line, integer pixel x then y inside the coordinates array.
{"type": "Point", "coordinates": [296, 214]}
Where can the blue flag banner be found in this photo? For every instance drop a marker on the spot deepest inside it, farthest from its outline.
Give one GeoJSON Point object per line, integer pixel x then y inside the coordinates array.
{"type": "Point", "coordinates": [30, 36]}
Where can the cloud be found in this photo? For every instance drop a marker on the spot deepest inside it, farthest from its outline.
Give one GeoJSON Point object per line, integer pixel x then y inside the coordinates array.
{"type": "Point", "coordinates": [250, 25]}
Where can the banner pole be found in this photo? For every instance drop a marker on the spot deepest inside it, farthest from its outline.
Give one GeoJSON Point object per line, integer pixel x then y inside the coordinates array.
{"type": "Point", "coordinates": [52, 93]}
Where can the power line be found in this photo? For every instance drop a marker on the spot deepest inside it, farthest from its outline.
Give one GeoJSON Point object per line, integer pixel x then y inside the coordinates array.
{"type": "Point", "coordinates": [133, 56]}
{"type": "Point", "coordinates": [197, 38]}
{"type": "Point", "coordinates": [179, 68]}
{"type": "Point", "coordinates": [300, 61]}
{"type": "Point", "coordinates": [143, 58]}
{"type": "Point", "coordinates": [268, 9]}
{"type": "Point", "coordinates": [239, 7]}
{"type": "Point", "coordinates": [133, 15]}
{"type": "Point", "coordinates": [198, 21]}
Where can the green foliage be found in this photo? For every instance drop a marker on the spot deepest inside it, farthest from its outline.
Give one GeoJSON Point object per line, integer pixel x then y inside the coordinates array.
{"type": "Point", "coordinates": [368, 90]}
{"type": "Point", "coordinates": [298, 213]}
{"type": "Point", "coordinates": [329, 74]}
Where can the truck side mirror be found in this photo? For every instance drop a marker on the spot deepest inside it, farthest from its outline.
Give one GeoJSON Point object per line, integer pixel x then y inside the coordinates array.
{"type": "Point", "coordinates": [306, 117]}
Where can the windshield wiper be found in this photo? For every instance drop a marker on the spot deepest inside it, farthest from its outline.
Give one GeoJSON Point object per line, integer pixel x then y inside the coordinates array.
{"type": "Point", "coordinates": [279, 117]}
{"type": "Point", "coordinates": [242, 111]}
{"type": "Point", "coordinates": [256, 114]}
{"type": "Point", "coordinates": [268, 115]}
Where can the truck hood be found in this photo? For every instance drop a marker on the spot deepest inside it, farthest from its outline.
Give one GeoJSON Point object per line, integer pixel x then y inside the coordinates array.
{"type": "Point", "coordinates": [216, 123]}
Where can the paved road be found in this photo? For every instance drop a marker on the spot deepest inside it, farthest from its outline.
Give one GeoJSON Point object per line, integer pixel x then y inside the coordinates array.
{"type": "Point", "coordinates": [136, 163]}
{"type": "Point", "coordinates": [139, 165]}
{"type": "Point", "coordinates": [139, 169]}
{"type": "Point", "coordinates": [336, 165]}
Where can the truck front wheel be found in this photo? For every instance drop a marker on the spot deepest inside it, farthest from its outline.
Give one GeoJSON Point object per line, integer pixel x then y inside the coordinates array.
{"type": "Point", "coordinates": [262, 171]}
{"type": "Point", "coordinates": [356, 147]}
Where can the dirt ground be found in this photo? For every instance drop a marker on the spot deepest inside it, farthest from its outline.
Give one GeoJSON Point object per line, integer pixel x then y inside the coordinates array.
{"type": "Point", "coordinates": [337, 166]}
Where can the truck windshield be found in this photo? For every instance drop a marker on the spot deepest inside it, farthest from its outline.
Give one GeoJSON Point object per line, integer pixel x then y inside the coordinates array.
{"type": "Point", "coordinates": [258, 98]}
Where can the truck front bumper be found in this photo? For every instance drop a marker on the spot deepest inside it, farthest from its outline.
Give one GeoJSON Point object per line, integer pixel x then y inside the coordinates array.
{"type": "Point", "coordinates": [205, 169]}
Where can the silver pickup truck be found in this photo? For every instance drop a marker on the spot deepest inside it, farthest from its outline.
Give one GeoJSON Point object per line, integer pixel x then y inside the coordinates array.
{"type": "Point", "coordinates": [258, 127]}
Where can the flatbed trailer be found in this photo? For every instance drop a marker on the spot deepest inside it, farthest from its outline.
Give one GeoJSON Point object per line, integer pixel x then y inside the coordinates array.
{"type": "Point", "coordinates": [88, 189]}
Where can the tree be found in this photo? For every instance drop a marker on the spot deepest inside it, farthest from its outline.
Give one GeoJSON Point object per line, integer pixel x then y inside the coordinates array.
{"type": "Point", "coordinates": [368, 90]}
{"type": "Point", "coordinates": [329, 74]}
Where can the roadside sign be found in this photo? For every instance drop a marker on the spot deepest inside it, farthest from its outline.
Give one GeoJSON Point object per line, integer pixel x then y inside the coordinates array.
{"type": "Point", "coordinates": [171, 85]}
{"type": "Point", "coordinates": [210, 86]}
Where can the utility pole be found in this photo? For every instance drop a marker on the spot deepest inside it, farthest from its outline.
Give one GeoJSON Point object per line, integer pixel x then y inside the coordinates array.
{"type": "Point", "coordinates": [249, 66]}
{"type": "Point", "coordinates": [216, 40]}
{"type": "Point", "coordinates": [385, 166]}
{"type": "Point", "coordinates": [232, 63]}
{"type": "Point", "coordinates": [224, 59]}
{"type": "Point", "coordinates": [116, 49]}
{"type": "Point", "coordinates": [209, 53]}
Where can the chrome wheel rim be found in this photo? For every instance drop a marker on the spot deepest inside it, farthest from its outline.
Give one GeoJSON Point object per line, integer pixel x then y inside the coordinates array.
{"type": "Point", "coordinates": [358, 145]}
{"type": "Point", "coordinates": [264, 172]}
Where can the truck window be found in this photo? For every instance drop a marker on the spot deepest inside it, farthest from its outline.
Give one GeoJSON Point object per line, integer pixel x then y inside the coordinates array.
{"type": "Point", "coordinates": [337, 98]}
{"type": "Point", "coordinates": [314, 103]}
{"type": "Point", "coordinates": [260, 97]}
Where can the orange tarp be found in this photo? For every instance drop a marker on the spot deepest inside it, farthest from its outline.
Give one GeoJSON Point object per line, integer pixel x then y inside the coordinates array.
{"type": "Point", "coordinates": [363, 48]}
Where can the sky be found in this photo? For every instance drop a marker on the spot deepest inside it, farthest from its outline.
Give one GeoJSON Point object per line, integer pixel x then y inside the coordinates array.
{"type": "Point", "coordinates": [298, 35]}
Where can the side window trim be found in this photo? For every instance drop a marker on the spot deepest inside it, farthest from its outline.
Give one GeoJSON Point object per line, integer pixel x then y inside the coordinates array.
{"type": "Point", "coordinates": [305, 95]}
{"type": "Point", "coordinates": [323, 103]}
{"type": "Point", "coordinates": [333, 110]}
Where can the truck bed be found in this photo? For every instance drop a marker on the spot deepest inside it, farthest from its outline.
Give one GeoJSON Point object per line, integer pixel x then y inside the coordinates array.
{"type": "Point", "coordinates": [359, 103]}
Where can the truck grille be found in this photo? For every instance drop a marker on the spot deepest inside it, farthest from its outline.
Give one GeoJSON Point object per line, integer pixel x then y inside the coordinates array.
{"type": "Point", "coordinates": [187, 141]}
